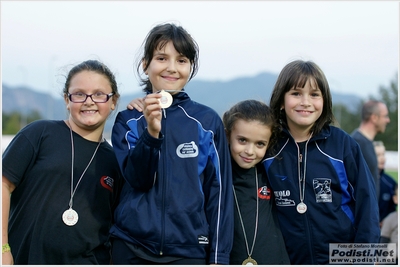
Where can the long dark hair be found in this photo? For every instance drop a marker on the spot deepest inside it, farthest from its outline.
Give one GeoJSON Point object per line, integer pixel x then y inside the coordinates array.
{"type": "Point", "coordinates": [296, 74]}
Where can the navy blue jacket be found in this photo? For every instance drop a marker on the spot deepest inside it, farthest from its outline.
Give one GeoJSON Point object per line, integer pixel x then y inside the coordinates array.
{"type": "Point", "coordinates": [386, 204]}
{"type": "Point", "coordinates": [178, 198]}
{"type": "Point", "coordinates": [342, 205]}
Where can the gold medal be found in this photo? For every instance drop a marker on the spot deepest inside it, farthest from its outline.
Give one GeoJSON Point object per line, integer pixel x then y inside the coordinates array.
{"type": "Point", "coordinates": [249, 261]}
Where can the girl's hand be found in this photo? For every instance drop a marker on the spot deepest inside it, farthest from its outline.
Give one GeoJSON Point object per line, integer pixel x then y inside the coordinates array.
{"type": "Point", "coordinates": [7, 258]}
{"type": "Point", "coordinates": [152, 112]}
{"type": "Point", "coordinates": [137, 103]}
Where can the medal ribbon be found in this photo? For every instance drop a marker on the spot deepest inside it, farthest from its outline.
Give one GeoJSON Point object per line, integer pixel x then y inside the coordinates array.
{"type": "Point", "coordinates": [73, 190]}
{"type": "Point", "coordinates": [241, 220]}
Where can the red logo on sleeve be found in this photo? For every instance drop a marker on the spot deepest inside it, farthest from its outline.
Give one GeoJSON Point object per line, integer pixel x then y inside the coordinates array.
{"type": "Point", "coordinates": [107, 182]}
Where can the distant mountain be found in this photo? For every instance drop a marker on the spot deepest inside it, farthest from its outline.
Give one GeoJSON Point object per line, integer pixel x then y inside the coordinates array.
{"type": "Point", "coordinates": [216, 94]}
{"type": "Point", "coordinates": [25, 100]}
{"type": "Point", "coordinates": [222, 95]}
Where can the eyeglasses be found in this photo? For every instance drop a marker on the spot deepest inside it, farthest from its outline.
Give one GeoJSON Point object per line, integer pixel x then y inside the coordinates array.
{"type": "Point", "coordinates": [96, 97]}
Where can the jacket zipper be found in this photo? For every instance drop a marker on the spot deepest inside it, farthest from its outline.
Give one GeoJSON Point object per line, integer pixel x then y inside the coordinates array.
{"type": "Point", "coordinates": [164, 185]}
{"type": "Point", "coordinates": [302, 175]}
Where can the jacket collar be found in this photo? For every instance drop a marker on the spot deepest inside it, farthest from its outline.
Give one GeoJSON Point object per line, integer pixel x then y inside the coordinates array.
{"type": "Point", "coordinates": [325, 133]}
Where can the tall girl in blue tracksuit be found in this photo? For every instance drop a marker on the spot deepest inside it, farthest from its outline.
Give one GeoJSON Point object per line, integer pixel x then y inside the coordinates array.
{"type": "Point", "coordinates": [324, 191]}
{"type": "Point", "coordinates": [177, 203]}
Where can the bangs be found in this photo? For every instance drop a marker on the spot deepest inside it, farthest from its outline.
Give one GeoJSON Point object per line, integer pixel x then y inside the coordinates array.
{"type": "Point", "coordinates": [299, 77]}
{"type": "Point", "coordinates": [299, 80]}
{"type": "Point", "coordinates": [180, 44]}
{"type": "Point", "coordinates": [302, 80]}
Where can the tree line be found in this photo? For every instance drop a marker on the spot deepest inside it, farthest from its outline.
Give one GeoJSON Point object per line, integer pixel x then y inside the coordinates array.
{"type": "Point", "coordinates": [348, 118]}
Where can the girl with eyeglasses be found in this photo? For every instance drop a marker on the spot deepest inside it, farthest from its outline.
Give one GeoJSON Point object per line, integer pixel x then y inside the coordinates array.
{"type": "Point", "coordinates": [61, 179]}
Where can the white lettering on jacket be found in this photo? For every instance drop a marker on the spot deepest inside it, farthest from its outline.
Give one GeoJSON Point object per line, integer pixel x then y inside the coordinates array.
{"type": "Point", "coordinates": [187, 150]}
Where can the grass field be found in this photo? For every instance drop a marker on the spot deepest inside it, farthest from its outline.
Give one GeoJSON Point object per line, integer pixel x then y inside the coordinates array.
{"type": "Point", "coordinates": [394, 174]}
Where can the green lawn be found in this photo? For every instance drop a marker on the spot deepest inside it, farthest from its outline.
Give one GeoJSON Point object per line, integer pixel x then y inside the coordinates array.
{"type": "Point", "coordinates": [394, 174]}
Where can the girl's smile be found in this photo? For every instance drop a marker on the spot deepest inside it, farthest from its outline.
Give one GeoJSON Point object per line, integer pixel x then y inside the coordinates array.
{"type": "Point", "coordinates": [248, 142]}
{"type": "Point", "coordinates": [303, 107]}
{"type": "Point", "coordinates": [89, 115]}
{"type": "Point", "coordinates": [168, 69]}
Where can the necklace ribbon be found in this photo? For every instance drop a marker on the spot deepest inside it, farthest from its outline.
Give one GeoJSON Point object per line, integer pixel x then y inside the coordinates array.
{"type": "Point", "coordinates": [249, 260]}
{"type": "Point", "coordinates": [302, 207]}
{"type": "Point", "coordinates": [70, 216]}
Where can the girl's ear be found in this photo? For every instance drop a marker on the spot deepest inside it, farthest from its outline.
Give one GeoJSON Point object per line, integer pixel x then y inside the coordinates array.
{"type": "Point", "coordinates": [114, 99]}
{"type": "Point", "coordinates": [66, 101]}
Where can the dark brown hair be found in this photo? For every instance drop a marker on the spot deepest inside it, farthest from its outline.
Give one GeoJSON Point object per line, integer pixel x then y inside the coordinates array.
{"type": "Point", "coordinates": [296, 74]}
{"type": "Point", "coordinates": [250, 110]}
{"type": "Point", "coordinates": [157, 38]}
{"type": "Point", "coordinates": [95, 66]}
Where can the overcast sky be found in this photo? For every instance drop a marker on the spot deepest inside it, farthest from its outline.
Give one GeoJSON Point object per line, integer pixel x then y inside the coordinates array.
{"type": "Point", "coordinates": [355, 43]}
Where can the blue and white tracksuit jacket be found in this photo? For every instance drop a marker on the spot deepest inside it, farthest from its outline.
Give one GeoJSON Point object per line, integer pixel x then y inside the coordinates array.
{"type": "Point", "coordinates": [342, 205]}
{"type": "Point", "coordinates": [177, 199]}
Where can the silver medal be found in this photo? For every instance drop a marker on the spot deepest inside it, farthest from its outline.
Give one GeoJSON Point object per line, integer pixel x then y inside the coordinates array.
{"type": "Point", "coordinates": [301, 208]}
{"type": "Point", "coordinates": [70, 217]}
{"type": "Point", "coordinates": [166, 99]}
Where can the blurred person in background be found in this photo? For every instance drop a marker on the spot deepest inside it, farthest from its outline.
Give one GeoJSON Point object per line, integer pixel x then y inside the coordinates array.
{"type": "Point", "coordinates": [374, 118]}
{"type": "Point", "coordinates": [389, 231]}
{"type": "Point", "coordinates": [387, 183]}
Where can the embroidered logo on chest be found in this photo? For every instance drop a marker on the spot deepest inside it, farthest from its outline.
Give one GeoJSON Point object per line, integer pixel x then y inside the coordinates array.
{"type": "Point", "coordinates": [322, 189]}
{"type": "Point", "coordinates": [107, 182]}
{"type": "Point", "coordinates": [203, 240]}
{"type": "Point", "coordinates": [264, 193]}
{"type": "Point", "coordinates": [187, 150]}
{"type": "Point", "coordinates": [283, 199]}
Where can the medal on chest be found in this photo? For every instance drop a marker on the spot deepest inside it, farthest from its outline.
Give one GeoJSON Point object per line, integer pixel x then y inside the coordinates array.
{"type": "Point", "coordinates": [249, 260]}
{"type": "Point", "coordinates": [301, 208]}
{"type": "Point", "coordinates": [70, 216]}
